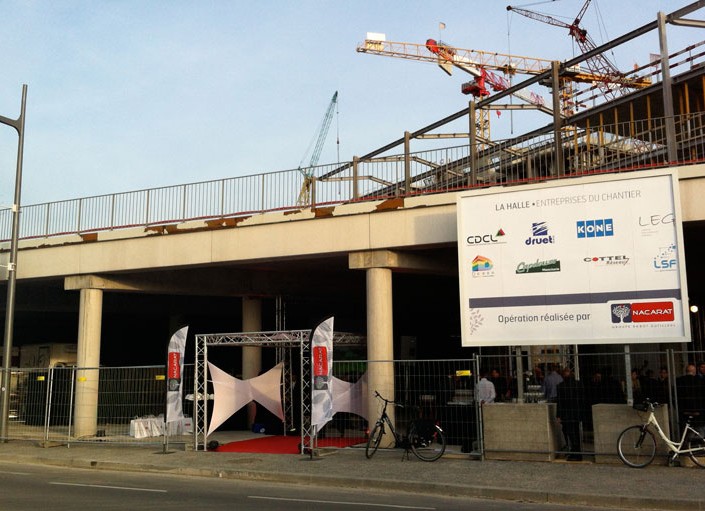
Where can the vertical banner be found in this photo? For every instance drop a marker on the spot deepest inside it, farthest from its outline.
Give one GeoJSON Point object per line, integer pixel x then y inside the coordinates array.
{"type": "Point", "coordinates": [174, 371]}
{"type": "Point", "coordinates": [322, 373]}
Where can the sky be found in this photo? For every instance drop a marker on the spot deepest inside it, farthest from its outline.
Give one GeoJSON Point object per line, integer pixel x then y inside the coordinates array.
{"type": "Point", "coordinates": [135, 94]}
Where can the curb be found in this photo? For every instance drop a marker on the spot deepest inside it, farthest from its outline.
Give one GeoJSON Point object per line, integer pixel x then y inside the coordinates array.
{"type": "Point", "coordinates": [430, 488]}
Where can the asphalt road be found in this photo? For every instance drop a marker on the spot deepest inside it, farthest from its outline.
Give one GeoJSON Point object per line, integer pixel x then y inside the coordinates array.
{"type": "Point", "coordinates": [34, 487]}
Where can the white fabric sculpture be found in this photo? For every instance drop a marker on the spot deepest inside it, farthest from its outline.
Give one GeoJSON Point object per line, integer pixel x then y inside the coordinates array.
{"type": "Point", "coordinates": [350, 397]}
{"type": "Point", "coordinates": [231, 394]}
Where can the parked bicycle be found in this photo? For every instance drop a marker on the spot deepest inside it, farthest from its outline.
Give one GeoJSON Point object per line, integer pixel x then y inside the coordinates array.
{"type": "Point", "coordinates": [636, 445]}
{"type": "Point", "coordinates": [424, 437]}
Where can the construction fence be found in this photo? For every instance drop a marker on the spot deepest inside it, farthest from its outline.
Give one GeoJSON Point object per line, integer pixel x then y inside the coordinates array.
{"type": "Point", "coordinates": [565, 389]}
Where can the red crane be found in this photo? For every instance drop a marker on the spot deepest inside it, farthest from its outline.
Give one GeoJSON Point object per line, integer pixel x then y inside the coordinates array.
{"type": "Point", "coordinates": [612, 82]}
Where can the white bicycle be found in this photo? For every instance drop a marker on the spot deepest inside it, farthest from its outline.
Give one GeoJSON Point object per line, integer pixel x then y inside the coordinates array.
{"type": "Point", "coordinates": [636, 445]}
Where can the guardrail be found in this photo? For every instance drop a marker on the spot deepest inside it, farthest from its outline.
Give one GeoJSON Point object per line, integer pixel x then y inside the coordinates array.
{"type": "Point", "coordinates": [586, 150]}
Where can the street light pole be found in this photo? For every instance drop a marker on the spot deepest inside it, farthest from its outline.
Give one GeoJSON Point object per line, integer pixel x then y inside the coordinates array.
{"type": "Point", "coordinates": [18, 124]}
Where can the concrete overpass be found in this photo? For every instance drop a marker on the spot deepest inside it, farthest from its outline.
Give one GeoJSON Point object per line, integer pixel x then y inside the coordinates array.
{"type": "Point", "coordinates": [382, 258]}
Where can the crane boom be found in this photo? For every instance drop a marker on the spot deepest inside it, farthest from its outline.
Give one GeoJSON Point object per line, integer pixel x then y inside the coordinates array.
{"type": "Point", "coordinates": [433, 51]}
{"type": "Point", "coordinates": [323, 132]}
{"type": "Point", "coordinates": [608, 78]}
{"type": "Point", "coordinates": [307, 172]}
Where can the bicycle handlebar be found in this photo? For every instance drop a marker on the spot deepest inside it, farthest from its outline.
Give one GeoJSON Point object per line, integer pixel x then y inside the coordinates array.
{"type": "Point", "coordinates": [387, 401]}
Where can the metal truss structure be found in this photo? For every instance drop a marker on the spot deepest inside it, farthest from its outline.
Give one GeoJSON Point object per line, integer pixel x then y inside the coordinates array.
{"type": "Point", "coordinates": [287, 344]}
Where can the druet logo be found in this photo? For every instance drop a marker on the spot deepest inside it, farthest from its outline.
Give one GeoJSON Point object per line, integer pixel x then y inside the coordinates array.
{"type": "Point", "coordinates": [595, 228]}
{"type": "Point", "coordinates": [666, 260]}
{"type": "Point", "coordinates": [646, 312]}
{"type": "Point", "coordinates": [482, 267]}
{"type": "Point", "coordinates": [486, 239]}
{"type": "Point", "coordinates": [549, 265]}
{"type": "Point", "coordinates": [539, 234]}
{"type": "Point", "coordinates": [608, 260]}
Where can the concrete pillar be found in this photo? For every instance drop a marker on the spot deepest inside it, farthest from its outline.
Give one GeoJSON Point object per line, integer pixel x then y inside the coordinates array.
{"type": "Point", "coordinates": [88, 360]}
{"type": "Point", "coordinates": [251, 355]}
{"type": "Point", "coordinates": [380, 341]}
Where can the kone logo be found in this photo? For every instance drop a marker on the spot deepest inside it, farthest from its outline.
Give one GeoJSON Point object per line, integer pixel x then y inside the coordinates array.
{"type": "Point", "coordinates": [539, 234]}
{"type": "Point", "coordinates": [595, 228]}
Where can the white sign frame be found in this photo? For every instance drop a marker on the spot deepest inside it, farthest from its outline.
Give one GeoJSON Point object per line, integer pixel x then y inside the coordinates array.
{"type": "Point", "coordinates": [590, 260]}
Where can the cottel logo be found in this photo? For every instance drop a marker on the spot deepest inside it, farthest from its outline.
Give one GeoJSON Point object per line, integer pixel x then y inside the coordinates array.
{"type": "Point", "coordinates": [595, 228]}
{"type": "Point", "coordinates": [646, 312]}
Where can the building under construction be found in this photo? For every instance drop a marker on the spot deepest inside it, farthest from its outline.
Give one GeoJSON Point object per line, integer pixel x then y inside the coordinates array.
{"type": "Point", "coordinates": [601, 119]}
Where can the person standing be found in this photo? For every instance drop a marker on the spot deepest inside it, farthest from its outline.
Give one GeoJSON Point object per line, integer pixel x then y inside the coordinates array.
{"type": "Point", "coordinates": [690, 395]}
{"type": "Point", "coordinates": [570, 410]}
{"type": "Point", "coordinates": [550, 383]}
{"type": "Point", "coordinates": [486, 392]}
{"type": "Point", "coordinates": [500, 385]}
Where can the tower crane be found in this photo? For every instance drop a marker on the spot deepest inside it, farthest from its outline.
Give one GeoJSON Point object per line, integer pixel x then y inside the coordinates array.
{"type": "Point", "coordinates": [608, 78]}
{"type": "Point", "coordinates": [479, 64]}
{"type": "Point", "coordinates": [307, 172]}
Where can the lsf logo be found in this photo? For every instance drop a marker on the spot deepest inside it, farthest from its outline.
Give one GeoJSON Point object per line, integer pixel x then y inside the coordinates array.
{"type": "Point", "coordinates": [646, 312]}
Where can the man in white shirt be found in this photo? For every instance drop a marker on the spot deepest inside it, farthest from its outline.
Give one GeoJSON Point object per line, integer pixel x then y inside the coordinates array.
{"type": "Point", "coordinates": [485, 389]}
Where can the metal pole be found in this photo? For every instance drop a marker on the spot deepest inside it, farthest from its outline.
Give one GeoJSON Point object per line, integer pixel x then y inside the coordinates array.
{"type": "Point", "coordinates": [559, 167]}
{"type": "Point", "coordinates": [666, 86]}
{"type": "Point", "coordinates": [11, 270]}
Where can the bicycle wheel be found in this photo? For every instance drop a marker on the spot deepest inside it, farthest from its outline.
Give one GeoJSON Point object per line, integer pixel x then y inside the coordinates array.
{"type": "Point", "coordinates": [374, 439]}
{"type": "Point", "coordinates": [636, 446]}
{"type": "Point", "coordinates": [427, 443]}
{"type": "Point", "coordinates": [697, 443]}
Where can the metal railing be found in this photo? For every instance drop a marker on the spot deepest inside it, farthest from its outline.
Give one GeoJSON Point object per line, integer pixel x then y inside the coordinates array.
{"type": "Point", "coordinates": [586, 150]}
{"type": "Point", "coordinates": [131, 400]}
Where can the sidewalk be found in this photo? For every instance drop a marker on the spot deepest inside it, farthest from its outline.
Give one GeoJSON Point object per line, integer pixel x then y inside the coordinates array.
{"type": "Point", "coordinates": [582, 483]}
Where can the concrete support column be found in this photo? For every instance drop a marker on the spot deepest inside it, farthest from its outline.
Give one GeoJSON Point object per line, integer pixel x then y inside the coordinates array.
{"type": "Point", "coordinates": [88, 360]}
{"type": "Point", "coordinates": [251, 355]}
{"type": "Point", "coordinates": [380, 341]}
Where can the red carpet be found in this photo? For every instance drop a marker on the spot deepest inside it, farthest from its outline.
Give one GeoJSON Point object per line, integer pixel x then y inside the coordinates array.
{"type": "Point", "coordinates": [273, 444]}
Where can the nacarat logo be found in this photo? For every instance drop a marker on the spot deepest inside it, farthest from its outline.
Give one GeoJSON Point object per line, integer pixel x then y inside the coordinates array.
{"type": "Point", "coordinates": [549, 265]}
{"type": "Point", "coordinates": [645, 312]}
{"type": "Point", "coordinates": [486, 239]}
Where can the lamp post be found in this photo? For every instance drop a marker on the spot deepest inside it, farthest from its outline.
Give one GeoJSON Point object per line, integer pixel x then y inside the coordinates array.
{"type": "Point", "coordinates": [18, 124]}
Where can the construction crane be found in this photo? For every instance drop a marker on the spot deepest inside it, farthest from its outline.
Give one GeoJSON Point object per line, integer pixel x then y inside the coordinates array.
{"type": "Point", "coordinates": [307, 171]}
{"type": "Point", "coordinates": [608, 78]}
{"type": "Point", "coordinates": [479, 64]}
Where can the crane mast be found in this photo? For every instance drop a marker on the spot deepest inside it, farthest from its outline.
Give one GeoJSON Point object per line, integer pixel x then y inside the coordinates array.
{"type": "Point", "coordinates": [307, 172]}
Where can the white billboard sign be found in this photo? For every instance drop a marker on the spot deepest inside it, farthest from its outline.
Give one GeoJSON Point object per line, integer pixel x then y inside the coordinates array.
{"type": "Point", "coordinates": [594, 261]}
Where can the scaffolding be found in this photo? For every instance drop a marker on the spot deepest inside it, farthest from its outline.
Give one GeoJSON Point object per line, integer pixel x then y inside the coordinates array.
{"type": "Point", "coordinates": [287, 344]}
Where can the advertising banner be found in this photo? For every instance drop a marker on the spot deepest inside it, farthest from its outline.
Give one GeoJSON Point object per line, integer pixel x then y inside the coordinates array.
{"type": "Point", "coordinates": [174, 371]}
{"type": "Point", "coordinates": [594, 261]}
{"type": "Point", "coordinates": [322, 374]}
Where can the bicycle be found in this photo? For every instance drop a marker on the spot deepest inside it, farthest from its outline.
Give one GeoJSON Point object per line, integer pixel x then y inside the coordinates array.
{"type": "Point", "coordinates": [636, 445]}
{"type": "Point", "coordinates": [424, 438]}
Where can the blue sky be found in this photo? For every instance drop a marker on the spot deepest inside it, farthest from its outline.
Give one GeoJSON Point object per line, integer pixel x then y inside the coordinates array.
{"type": "Point", "coordinates": [125, 95]}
